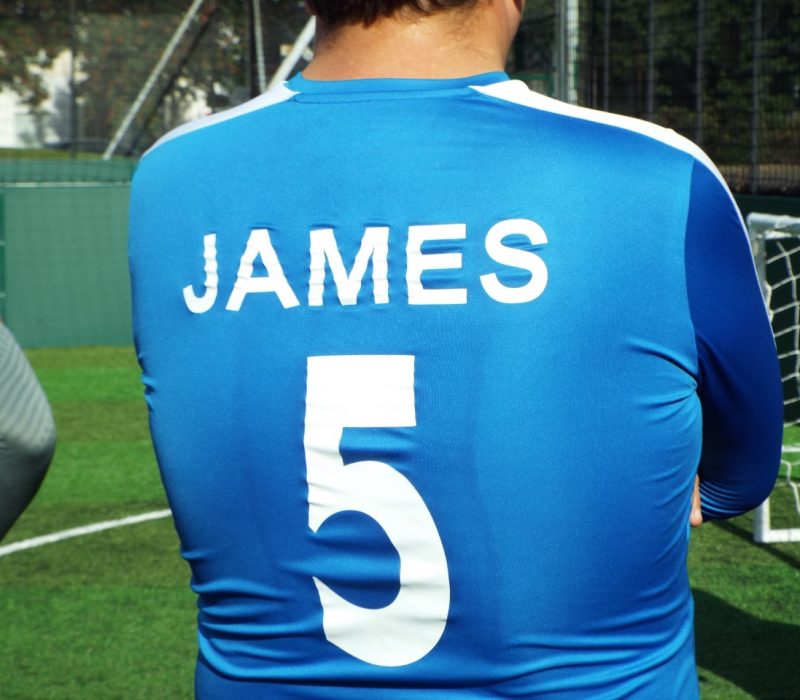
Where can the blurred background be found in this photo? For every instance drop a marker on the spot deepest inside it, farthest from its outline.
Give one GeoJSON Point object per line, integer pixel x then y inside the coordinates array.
{"type": "Point", "coordinates": [722, 72]}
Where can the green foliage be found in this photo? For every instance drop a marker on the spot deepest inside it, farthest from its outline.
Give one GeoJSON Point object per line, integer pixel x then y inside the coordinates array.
{"type": "Point", "coordinates": [117, 43]}
{"type": "Point", "coordinates": [34, 32]}
{"type": "Point", "coordinates": [31, 35]}
{"type": "Point", "coordinates": [725, 32]}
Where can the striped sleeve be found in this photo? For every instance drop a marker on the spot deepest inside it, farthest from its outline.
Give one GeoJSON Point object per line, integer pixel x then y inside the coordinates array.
{"type": "Point", "coordinates": [27, 432]}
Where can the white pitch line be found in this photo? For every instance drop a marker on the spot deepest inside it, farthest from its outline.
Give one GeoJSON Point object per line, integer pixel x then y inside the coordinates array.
{"type": "Point", "coordinates": [80, 531]}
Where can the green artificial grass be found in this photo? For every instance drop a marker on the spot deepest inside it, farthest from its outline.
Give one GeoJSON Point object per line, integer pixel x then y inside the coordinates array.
{"type": "Point", "coordinates": [747, 613]}
{"type": "Point", "coordinates": [104, 616]}
{"type": "Point", "coordinates": [109, 615]}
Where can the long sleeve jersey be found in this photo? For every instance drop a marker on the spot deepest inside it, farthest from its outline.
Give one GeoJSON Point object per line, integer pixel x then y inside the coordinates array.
{"type": "Point", "coordinates": [431, 367]}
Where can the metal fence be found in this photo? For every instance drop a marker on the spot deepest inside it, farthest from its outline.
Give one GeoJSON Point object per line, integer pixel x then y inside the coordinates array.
{"type": "Point", "coordinates": [85, 74]}
{"type": "Point", "coordinates": [111, 76]}
{"type": "Point", "coordinates": [724, 73]}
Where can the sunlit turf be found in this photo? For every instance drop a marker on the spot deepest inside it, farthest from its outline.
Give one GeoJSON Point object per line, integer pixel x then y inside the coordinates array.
{"type": "Point", "coordinates": [108, 615]}
{"type": "Point", "coordinates": [111, 615]}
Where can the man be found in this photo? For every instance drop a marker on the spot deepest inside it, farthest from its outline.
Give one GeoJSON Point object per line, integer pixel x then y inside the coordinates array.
{"type": "Point", "coordinates": [27, 432]}
{"type": "Point", "coordinates": [432, 362]}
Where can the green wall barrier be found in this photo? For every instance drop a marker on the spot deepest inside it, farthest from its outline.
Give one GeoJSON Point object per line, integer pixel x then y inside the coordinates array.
{"type": "Point", "coordinates": [64, 263]}
{"type": "Point", "coordinates": [80, 170]}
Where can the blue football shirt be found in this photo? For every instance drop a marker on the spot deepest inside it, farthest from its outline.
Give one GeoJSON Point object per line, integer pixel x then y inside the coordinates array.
{"type": "Point", "coordinates": [431, 366]}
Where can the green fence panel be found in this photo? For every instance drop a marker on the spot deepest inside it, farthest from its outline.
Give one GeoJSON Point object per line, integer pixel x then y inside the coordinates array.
{"type": "Point", "coordinates": [65, 264]}
{"type": "Point", "coordinates": [79, 170]}
{"type": "Point", "coordinates": [2, 257]}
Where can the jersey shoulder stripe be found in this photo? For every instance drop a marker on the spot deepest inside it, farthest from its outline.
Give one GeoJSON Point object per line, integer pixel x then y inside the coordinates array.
{"type": "Point", "coordinates": [517, 92]}
{"type": "Point", "coordinates": [272, 97]}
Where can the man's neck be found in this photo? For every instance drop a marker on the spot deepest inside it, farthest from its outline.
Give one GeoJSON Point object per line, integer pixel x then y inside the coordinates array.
{"type": "Point", "coordinates": [449, 44]}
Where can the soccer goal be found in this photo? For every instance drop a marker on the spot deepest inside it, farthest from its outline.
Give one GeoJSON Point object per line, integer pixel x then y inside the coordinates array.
{"type": "Point", "coordinates": [776, 249]}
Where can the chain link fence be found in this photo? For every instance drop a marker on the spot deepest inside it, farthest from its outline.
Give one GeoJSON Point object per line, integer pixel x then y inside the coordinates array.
{"type": "Point", "coordinates": [81, 76]}
{"type": "Point", "coordinates": [724, 73]}
{"type": "Point", "coordinates": [73, 73]}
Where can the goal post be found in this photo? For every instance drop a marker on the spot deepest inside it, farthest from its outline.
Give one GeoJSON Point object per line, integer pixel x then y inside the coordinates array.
{"type": "Point", "coordinates": [776, 250]}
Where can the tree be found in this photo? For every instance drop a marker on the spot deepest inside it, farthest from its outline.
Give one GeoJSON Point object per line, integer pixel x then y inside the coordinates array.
{"type": "Point", "coordinates": [116, 45]}
{"type": "Point", "coordinates": [31, 35]}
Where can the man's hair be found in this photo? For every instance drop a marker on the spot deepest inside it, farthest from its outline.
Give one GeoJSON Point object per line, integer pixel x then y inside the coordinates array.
{"type": "Point", "coordinates": [338, 12]}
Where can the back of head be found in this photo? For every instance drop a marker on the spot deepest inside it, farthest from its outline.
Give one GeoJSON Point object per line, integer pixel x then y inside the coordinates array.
{"type": "Point", "coordinates": [338, 12]}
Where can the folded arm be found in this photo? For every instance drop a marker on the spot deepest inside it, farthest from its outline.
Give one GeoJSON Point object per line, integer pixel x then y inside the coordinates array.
{"type": "Point", "coordinates": [738, 376]}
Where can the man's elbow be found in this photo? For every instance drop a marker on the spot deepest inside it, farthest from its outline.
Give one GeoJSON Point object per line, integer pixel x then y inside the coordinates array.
{"type": "Point", "coordinates": [728, 499]}
{"type": "Point", "coordinates": [34, 448]}
{"type": "Point", "coordinates": [42, 449]}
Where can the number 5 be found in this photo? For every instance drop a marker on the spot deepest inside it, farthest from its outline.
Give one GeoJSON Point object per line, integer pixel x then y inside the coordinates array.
{"type": "Point", "coordinates": [374, 391]}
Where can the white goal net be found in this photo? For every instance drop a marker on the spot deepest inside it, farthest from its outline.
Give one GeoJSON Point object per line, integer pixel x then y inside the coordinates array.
{"type": "Point", "coordinates": [776, 249]}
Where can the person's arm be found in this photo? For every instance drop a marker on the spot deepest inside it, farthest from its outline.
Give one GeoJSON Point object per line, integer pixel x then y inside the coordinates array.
{"type": "Point", "coordinates": [27, 432]}
{"type": "Point", "coordinates": [738, 379]}
{"type": "Point", "coordinates": [696, 512]}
